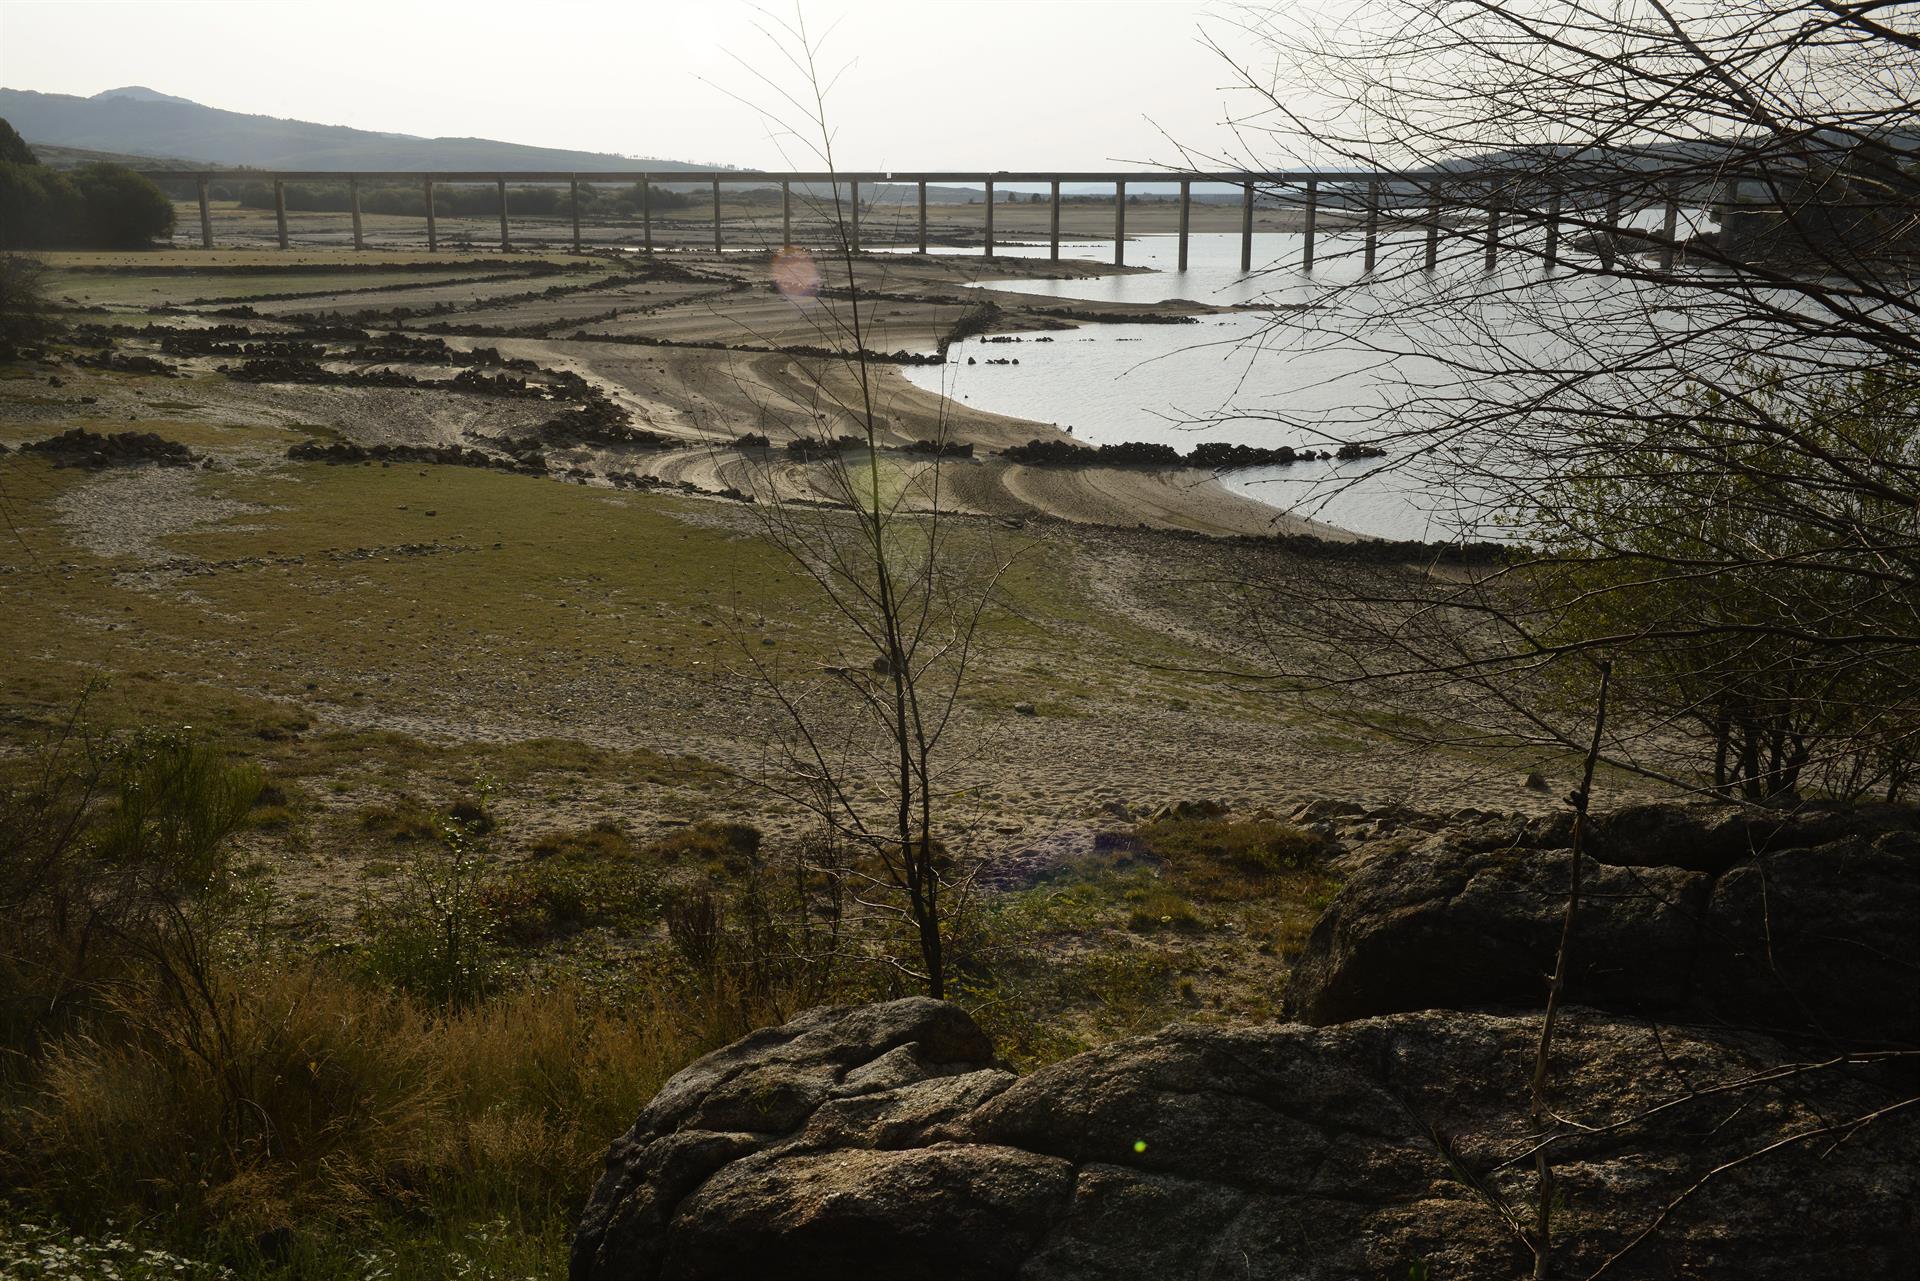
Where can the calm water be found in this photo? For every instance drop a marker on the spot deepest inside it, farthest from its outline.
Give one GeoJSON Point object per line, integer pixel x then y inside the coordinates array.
{"type": "Point", "coordinates": [1232, 378]}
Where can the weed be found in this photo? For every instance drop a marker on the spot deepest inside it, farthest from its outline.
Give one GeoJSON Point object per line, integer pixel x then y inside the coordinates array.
{"type": "Point", "coordinates": [434, 936]}
{"type": "Point", "coordinates": [402, 822]}
{"type": "Point", "coordinates": [1160, 909]}
{"type": "Point", "coordinates": [1227, 859]}
{"type": "Point", "coordinates": [722, 848]}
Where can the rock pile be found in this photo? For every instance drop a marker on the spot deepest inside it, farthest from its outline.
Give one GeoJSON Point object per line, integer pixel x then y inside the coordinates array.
{"type": "Point", "coordinates": [313, 451]}
{"type": "Point", "coordinates": [78, 447]}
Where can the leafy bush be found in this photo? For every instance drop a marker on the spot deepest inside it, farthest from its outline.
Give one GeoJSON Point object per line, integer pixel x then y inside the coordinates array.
{"type": "Point", "coordinates": [99, 206]}
{"type": "Point", "coordinates": [1762, 582]}
{"type": "Point", "coordinates": [25, 319]}
{"type": "Point", "coordinates": [38, 207]}
{"type": "Point", "coordinates": [122, 209]}
{"type": "Point", "coordinates": [114, 865]}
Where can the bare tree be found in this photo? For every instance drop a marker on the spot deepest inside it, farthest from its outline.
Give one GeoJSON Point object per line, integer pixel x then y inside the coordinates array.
{"type": "Point", "coordinates": [1646, 311]}
{"type": "Point", "coordinates": [908, 586]}
{"type": "Point", "coordinates": [1645, 307]}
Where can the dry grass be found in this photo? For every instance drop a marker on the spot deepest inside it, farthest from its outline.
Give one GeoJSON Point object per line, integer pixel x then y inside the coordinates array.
{"type": "Point", "coordinates": [358, 1108]}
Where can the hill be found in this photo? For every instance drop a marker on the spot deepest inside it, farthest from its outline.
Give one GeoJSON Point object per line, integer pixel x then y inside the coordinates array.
{"type": "Point", "coordinates": [58, 157]}
{"type": "Point", "coordinates": [140, 122]}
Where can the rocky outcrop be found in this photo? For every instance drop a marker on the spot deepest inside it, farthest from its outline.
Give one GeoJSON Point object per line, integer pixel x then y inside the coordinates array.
{"type": "Point", "coordinates": [1805, 926]}
{"type": "Point", "coordinates": [885, 1141]}
{"type": "Point", "coordinates": [1718, 1106]}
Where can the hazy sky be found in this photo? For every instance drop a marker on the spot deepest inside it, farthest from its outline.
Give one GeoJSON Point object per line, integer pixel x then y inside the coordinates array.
{"type": "Point", "coordinates": [964, 84]}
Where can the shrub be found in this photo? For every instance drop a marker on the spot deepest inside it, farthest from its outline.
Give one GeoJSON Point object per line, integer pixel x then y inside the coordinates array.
{"type": "Point", "coordinates": [537, 902]}
{"type": "Point", "coordinates": [122, 209]}
{"type": "Point", "coordinates": [97, 206]}
{"type": "Point", "coordinates": [13, 148]}
{"type": "Point", "coordinates": [606, 839]}
{"type": "Point", "coordinates": [434, 935]}
{"type": "Point", "coordinates": [25, 319]}
{"type": "Point", "coordinates": [38, 206]}
{"type": "Point", "coordinates": [114, 867]}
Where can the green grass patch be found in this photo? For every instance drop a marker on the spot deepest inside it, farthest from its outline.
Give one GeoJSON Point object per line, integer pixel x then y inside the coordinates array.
{"type": "Point", "coordinates": [1229, 859]}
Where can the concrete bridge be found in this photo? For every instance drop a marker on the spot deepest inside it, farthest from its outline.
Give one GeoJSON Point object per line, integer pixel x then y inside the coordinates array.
{"type": "Point", "coordinates": [1479, 204]}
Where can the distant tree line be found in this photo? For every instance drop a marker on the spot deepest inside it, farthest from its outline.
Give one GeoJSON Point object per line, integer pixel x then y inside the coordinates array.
{"type": "Point", "coordinates": [93, 207]}
{"type": "Point", "coordinates": [471, 200]}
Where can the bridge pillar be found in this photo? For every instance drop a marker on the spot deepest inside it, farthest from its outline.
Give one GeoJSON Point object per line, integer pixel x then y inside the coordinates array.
{"type": "Point", "coordinates": [1246, 227]}
{"type": "Point", "coordinates": [433, 228]}
{"type": "Point", "coordinates": [1729, 219]}
{"type": "Point", "coordinates": [854, 203]}
{"type": "Point", "coordinates": [1186, 218]}
{"type": "Point", "coordinates": [573, 206]}
{"type": "Point", "coordinates": [786, 214]}
{"type": "Point", "coordinates": [1373, 224]}
{"type": "Point", "coordinates": [280, 210]}
{"type": "Point", "coordinates": [353, 201]}
{"type": "Point", "coordinates": [506, 242]}
{"type": "Point", "coordinates": [923, 215]}
{"type": "Point", "coordinates": [1610, 254]}
{"type": "Point", "coordinates": [989, 217]}
{"type": "Point", "coordinates": [1119, 224]}
{"type": "Point", "coordinates": [1493, 223]}
{"type": "Point", "coordinates": [646, 213]}
{"type": "Point", "coordinates": [1433, 228]}
{"type": "Point", "coordinates": [1553, 230]}
{"type": "Point", "coordinates": [1055, 254]}
{"type": "Point", "coordinates": [1667, 232]}
{"type": "Point", "coordinates": [716, 215]}
{"type": "Point", "coordinates": [1313, 219]}
{"type": "Point", "coordinates": [206, 218]}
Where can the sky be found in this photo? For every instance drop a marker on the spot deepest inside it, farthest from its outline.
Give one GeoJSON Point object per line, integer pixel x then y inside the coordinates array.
{"type": "Point", "coordinates": [915, 84]}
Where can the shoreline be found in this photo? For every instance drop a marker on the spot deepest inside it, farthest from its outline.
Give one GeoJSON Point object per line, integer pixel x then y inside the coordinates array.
{"type": "Point", "coordinates": [704, 349]}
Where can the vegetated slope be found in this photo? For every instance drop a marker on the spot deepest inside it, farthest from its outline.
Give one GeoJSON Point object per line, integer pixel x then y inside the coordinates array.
{"type": "Point", "coordinates": [124, 122]}
{"type": "Point", "coordinates": [58, 157]}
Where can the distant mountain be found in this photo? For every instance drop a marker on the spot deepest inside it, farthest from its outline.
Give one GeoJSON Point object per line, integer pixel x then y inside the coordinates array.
{"type": "Point", "coordinates": [140, 93]}
{"type": "Point", "coordinates": [138, 121]}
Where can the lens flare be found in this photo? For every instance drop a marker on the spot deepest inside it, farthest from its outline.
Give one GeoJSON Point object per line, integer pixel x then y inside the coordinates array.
{"type": "Point", "coordinates": [795, 274]}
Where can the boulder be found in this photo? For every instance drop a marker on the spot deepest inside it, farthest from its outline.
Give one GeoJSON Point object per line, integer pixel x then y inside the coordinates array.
{"type": "Point", "coordinates": [1448, 924]}
{"type": "Point", "coordinates": [884, 1141]}
{"type": "Point", "coordinates": [869, 1076]}
{"type": "Point", "coordinates": [1817, 935]}
{"type": "Point", "coordinates": [1821, 942]}
{"type": "Point", "coordinates": [1714, 837]}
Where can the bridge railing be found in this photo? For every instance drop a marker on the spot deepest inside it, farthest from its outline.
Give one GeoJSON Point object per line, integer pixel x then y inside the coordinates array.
{"type": "Point", "coordinates": [1477, 203]}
